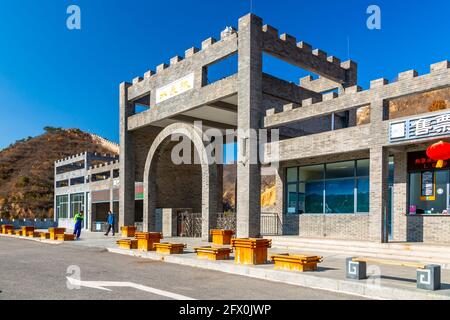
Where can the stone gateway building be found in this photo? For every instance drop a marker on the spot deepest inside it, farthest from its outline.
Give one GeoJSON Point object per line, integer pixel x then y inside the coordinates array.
{"type": "Point", "coordinates": [351, 162]}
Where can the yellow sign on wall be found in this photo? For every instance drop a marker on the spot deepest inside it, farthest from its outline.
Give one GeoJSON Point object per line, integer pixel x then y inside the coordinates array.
{"type": "Point", "coordinates": [175, 88]}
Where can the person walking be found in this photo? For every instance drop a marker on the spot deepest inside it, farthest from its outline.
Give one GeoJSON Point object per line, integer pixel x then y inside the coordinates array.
{"type": "Point", "coordinates": [111, 223]}
{"type": "Point", "coordinates": [78, 219]}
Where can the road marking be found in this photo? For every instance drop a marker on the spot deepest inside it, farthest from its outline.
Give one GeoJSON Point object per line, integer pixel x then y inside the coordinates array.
{"type": "Point", "coordinates": [101, 285]}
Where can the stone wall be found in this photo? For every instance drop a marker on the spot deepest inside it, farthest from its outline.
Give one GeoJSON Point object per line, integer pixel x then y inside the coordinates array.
{"type": "Point", "coordinates": [340, 227]}
{"type": "Point", "coordinates": [428, 229]}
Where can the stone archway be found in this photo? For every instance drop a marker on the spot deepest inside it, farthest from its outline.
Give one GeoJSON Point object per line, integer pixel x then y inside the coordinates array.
{"type": "Point", "coordinates": [208, 173]}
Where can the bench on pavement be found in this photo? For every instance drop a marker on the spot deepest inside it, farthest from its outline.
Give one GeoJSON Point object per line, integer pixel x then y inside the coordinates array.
{"type": "Point", "coordinates": [65, 237]}
{"type": "Point", "coordinates": [250, 251]}
{"type": "Point", "coordinates": [428, 275]}
{"type": "Point", "coordinates": [213, 253]}
{"type": "Point", "coordinates": [170, 248]}
{"type": "Point", "coordinates": [33, 234]}
{"type": "Point", "coordinates": [127, 244]}
{"type": "Point", "coordinates": [299, 263]}
{"type": "Point", "coordinates": [26, 230]}
{"type": "Point", "coordinates": [6, 227]}
{"type": "Point", "coordinates": [221, 237]}
{"type": "Point", "coordinates": [146, 240]}
{"type": "Point", "coordinates": [128, 231]}
{"type": "Point", "coordinates": [44, 235]}
{"type": "Point", "coordinates": [55, 231]}
{"type": "Point", "coordinates": [18, 233]}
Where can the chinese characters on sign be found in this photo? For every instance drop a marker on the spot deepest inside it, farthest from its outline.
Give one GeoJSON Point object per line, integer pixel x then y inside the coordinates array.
{"type": "Point", "coordinates": [418, 128]}
{"type": "Point", "coordinates": [175, 88]}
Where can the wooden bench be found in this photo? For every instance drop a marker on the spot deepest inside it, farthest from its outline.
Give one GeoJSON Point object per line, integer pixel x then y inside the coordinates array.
{"type": "Point", "coordinates": [6, 227]}
{"type": "Point", "coordinates": [170, 248]}
{"type": "Point", "coordinates": [428, 276]}
{"type": "Point", "coordinates": [65, 237]}
{"type": "Point", "coordinates": [18, 233]}
{"type": "Point", "coordinates": [221, 237]}
{"type": "Point", "coordinates": [299, 263]}
{"type": "Point", "coordinates": [44, 235]}
{"type": "Point", "coordinates": [213, 253]}
{"type": "Point", "coordinates": [55, 231]}
{"type": "Point", "coordinates": [26, 230]}
{"type": "Point", "coordinates": [129, 244]}
{"type": "Point", "coordinates": [251, 251]}
{"type": "Point", "coordinates": [33, 234]}
{"type": "Point", "coordinates": [128, 231]}
{"type": "Point", "coordinates": [10, 232]}
{"type": "Point", "coordinates": [146, 240]}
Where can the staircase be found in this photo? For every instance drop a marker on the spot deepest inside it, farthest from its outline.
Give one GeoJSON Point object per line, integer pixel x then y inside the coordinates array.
{"type": "Point", "coordinates": [417, 252]}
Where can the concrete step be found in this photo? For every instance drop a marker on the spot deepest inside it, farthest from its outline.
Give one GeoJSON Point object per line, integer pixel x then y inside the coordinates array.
{"type": "Point", "coordinates": [418, 247]}
{"type": "Point", "coordinates": [406, 252]}
{"type": "Point", "coordinates": [381, 250]}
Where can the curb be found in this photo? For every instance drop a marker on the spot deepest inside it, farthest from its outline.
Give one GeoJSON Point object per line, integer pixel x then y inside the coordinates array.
{"type": "Point", "coordinates": [350, 287]}
{"type": "Point", "coordinates": [53, 242]}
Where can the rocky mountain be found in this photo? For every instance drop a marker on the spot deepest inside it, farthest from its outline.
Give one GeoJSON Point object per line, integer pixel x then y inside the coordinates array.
{"type": "Point", "coordinates": [27, 169]}
{"type": "Point", "coordinates": [268, 198]}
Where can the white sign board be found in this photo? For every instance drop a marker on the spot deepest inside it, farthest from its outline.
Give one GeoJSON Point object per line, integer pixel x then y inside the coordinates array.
{"type": "Point", "coordinates": [175, 88]}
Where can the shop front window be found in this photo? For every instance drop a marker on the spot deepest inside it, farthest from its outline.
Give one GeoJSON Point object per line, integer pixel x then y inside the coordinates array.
{"type": "Point", "coordinates": [311, 188]}
{"type": "Point", "coordinates": [335, 188]}
{"type": "Point", "coordinates": [62, 207]}
{"type": "Point", "coordinates": [76, 203]}
{"type": "Point", "coordinates": [428, 192]}
{"type": "Point", "coordinates": [340, 187]}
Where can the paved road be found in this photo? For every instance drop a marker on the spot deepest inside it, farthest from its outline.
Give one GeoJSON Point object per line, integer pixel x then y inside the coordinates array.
{"type": "Point", "coordinates": [31, 270]}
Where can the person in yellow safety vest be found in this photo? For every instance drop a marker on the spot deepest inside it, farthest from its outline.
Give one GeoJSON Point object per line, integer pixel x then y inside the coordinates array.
{"type": "Point", "coordinates": [78, 219]}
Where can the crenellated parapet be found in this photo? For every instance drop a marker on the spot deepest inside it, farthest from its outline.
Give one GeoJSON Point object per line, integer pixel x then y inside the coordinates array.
{"type": "Point", "coordinates": [407, 83]}
{"type": "Point", "coordinates": [302, 54]}
{"type": "Point", "coordinates": [211, 50]}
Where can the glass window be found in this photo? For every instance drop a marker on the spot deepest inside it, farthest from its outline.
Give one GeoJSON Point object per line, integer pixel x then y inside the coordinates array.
{"type": "Point", "coordinates": [62, 207]}
{"type": "Point", "coordinates": [292, 175]}
{"type": "Point", "coordinates": [428, 192]}
{"type": "Point", "coordinates": [314, 197]}
{"type": "Point", "coordinates": [311, 173]}
{"type": "Point", "coordinates": [340, 170]}
{"type": "Point", "coordinates": [311, 188]}
{"type": "Point", "coordinates": [340, 196]}
{"type": "Point", "coordinates": [363, 167]}
{"type": "Point", "coordinates": [344, 186]}
{"type": "Point", "coordinates": [363, 195]}
{"type": "Point", "coordinates": [292, 199]}
{"type": "Point", "coordinates": [76, 203]}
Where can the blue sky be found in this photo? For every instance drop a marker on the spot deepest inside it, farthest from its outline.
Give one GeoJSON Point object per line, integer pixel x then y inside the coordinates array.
{"type": "Point", "coordinates": [52, 76]}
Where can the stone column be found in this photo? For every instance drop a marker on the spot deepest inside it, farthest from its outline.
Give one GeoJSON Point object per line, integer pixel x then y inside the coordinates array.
{"type": "Point", "coordinates": [279, 186]}
{"type": "Point", "coordinates": [379, 192]}
{"type": "Point", "coordinates": [249, 117]}
{"type": "Point", "coordinates": [219, 189]}
{"type": "Point", "coordinates": [111, 191]}
{"type": "Point", "coordinates": [127, 164]}
{"type": "Point", "coordinates": [400, 196]}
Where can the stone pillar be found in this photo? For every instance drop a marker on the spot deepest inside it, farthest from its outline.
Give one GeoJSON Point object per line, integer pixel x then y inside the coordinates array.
{"type": "Point", "coordinates": [249, 117]}
{"type": "Point", "coordinates": [400, 196]}
{"type": "Point", "coordinates": [379, 192]}
{"type": "Point", "coordinates": [127, 164]}
{"type": "Point", "coordinates": [279, 186]}
{"type": "Point", "coordinates": [169, 223]}
{"type": "Point", "coordinates": [93, 214]}
{"type": "Point", "coordinates": [111, 191]}
{"type": "Point", "coordinates": [219, 188]}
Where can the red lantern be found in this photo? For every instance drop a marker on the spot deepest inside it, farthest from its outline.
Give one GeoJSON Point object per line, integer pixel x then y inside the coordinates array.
{"type": "Point", "coordinates": [439, 152]}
